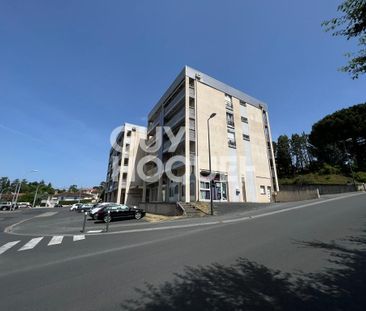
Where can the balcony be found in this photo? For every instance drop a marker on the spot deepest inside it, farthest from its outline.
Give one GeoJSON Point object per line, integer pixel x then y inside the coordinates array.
{"type": "Point", "coordinates": [192, 114]}
{"type": "Point", "coordinates": [230, 123]}
{"type": "Point", "coordinates": [229, 106]}
{"type": "Point", "coordinates": [174, 102]}
{"type": "Point", "coordinates": [191, 92]}
{"type": "Point", "coordinates": [232, 143]}
{"type": "Point", "coordinates": [192, 135]}
{"type": "Point", "coordinates": [168, 144]}
{"type": "Point", "coordinates": [176, 119]}
{"type": "Point", "coordinates": [153, 124]}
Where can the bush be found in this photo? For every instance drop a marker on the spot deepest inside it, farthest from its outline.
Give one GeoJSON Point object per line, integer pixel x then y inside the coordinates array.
{"type": "Point", "coordinates": [360, 176]}
{"type": "Point", "coordinates": [327, 169]}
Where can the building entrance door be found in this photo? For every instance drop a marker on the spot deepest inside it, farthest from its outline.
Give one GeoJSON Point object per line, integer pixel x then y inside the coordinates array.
{"type": "Point", "coordinates": [220, 191]}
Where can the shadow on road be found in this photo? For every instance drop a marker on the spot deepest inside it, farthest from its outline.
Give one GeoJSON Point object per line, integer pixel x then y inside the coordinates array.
{"type": "Point", "coordinates": [247, 285]}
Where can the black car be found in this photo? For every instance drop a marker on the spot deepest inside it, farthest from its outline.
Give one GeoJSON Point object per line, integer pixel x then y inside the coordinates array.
{"type": "Point", "coordinates": [84, 207]}
{"type": "Point", "coordinates": [119, 211]}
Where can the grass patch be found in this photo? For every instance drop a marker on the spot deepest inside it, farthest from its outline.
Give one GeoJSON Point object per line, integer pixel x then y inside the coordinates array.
{"type": "Point", "coordinates": [317, 179]}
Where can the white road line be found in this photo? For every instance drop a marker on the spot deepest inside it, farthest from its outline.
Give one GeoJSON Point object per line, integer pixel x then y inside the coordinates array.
{"type": "Point", "coordinates": [94, 231]}
{"type": "Point", "coordinates": [32, 243]}
{"type": "Point", "coordinates": [47, 214]}
{"type": "Point", "coordinates": [56, 240]}
{"type": "Point", "coordinates": [7, 246]}
{"type": "Point", "coordinates": [78, 237]}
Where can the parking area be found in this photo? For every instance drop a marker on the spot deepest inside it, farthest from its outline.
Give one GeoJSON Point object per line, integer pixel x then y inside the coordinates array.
{"type": "Point", "coordinates": [50, 221]}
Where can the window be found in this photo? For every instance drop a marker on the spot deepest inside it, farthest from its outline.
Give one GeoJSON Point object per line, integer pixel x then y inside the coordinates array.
{"type": "Point", "coordinates": [244, 119]}
{"type": "Point", "coordinates": [229, 103]}
{"type": "Point", "coordinates": [191, 83]}
{"type": "Point", "coordinates": [246, 137]}
{"type": "Point", "coordinates": [243, 103]}
{"type": "Point", "coordinates": [269, 190]}
{"type": "Point", "coordinates": [262, 190]}
{"type": "Point", "coordinates": [231, 139]}
{"type": "Point", "coordinates": [230, 119]}
{"type": "Point", "coordinates": [205, 185]}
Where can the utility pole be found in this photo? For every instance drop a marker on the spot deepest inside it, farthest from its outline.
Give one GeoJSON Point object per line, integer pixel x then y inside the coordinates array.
{"type": "Point", "coordinates": [35, 196]}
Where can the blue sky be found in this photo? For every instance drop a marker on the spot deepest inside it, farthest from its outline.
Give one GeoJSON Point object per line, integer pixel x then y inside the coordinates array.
{"type": "Point", "coordinates": [71, 71]}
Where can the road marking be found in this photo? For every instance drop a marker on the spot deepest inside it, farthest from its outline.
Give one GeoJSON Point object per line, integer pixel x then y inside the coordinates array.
{"type": "Point", "coordinates": [7, 246]}
{"type": "Point", "coordinates": [94, 231]}
{"type": "Point", "coordinates": [78, 237]}
{"type": "Point", "coordinates": [32, 243]}
{"type": "Point", "coordinates": [56, 240]}
{"type": "Point", "coordinates": [47, 214]}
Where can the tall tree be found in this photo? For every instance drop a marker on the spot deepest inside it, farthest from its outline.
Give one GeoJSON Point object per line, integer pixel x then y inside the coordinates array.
{"type": "Point", "coordinates": [344, 128]}
{"type": "Point", "coordinates": [351, 24]}
{"type": "Point", "coordinates": [283, 156]}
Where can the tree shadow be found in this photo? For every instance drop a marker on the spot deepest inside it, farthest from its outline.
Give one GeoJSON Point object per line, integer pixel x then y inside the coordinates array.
{"type": "Point", "coordinates": [247, 285]}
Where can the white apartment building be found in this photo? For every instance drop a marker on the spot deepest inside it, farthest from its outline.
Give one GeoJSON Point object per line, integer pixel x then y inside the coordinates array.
{"type": "Point", "coordinates": [123, 185]}
{"type": "Point", "coordinates": [242, 156]}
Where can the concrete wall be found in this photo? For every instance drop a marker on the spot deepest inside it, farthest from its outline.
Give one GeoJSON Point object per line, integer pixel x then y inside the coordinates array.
{"type": "Point", "coordinates": [296, 195]}
{"type": "Point", "coordinates": [323, 189]}
{"type": "Point", "coordinates": [163, 208]}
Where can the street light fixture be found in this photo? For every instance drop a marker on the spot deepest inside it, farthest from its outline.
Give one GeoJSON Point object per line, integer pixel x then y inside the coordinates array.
{"type": "Point", "coordinates": [209, 160]}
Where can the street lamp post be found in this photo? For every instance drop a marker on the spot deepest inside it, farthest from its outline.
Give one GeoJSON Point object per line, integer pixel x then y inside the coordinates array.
{"type": "Point", "coordinates": [209, 160]}
{"type": "Point", "coordinates": [349, 161]}
{"type": "Point", "coordinates": [35, 195]}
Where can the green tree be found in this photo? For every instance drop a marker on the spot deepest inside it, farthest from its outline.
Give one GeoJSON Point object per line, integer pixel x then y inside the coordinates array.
{"type": "Point", "coordinates": [351, 24]}
{"type": "Point", "coordinates": [73, 188]}
{"type": "Point", "coordinates": [283, 156]}
{"type": "Point", "coordinates": [344, 128]}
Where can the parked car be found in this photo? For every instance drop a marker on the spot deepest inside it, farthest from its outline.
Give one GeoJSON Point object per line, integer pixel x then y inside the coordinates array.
{"type": "Point", "coordinates": [84, 207]}
{"type": "Point", "coordinates": [24, 204]}
{"type": "Point", "coordinates": [75, 206]}
{"type": "Point", "coordinates": [119, 211]}
{"type": "Point", "coordinates": [97, 207]}
{"type": "Point", "coordinates": [5, 206]}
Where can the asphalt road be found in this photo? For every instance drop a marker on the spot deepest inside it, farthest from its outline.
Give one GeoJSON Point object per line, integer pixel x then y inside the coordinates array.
{"type": "Point", "coordinates": [102, 271]}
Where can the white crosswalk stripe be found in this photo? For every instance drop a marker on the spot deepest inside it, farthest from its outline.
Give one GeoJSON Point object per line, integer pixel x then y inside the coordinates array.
{"type": "Point", "coordinates": [32, 243]}
{"type": "Point", "coordinates": [7, 246]}
{"type": "Point", "coordinates": [56, 240]}
{"type": "Point", "coordinates": [78, 237]}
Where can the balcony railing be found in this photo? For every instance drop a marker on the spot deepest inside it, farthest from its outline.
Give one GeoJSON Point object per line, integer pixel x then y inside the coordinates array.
{"type": "Point", "coordinates": [191, 92]}
{"type": "Point", "coordinates": [192, 135]}
{"type": "Point", "coordinates": [229, 105]}
{"type": "Point", "coordinates": [176, 100]}
{"type": "Point", "coordinates": [178, 117]}
{"type": "Point", "coordinates": [230, 123]}
{"type": "Point", "coordinates": [192, 113]}
{"type": "Point", "coordinates": [232, 143]}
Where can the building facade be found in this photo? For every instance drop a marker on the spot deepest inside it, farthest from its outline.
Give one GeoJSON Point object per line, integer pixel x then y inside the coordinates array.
{"type": "Point", "coordinates": [123, 185]}
{"type": "Point", "coordinates": [243, 166]}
